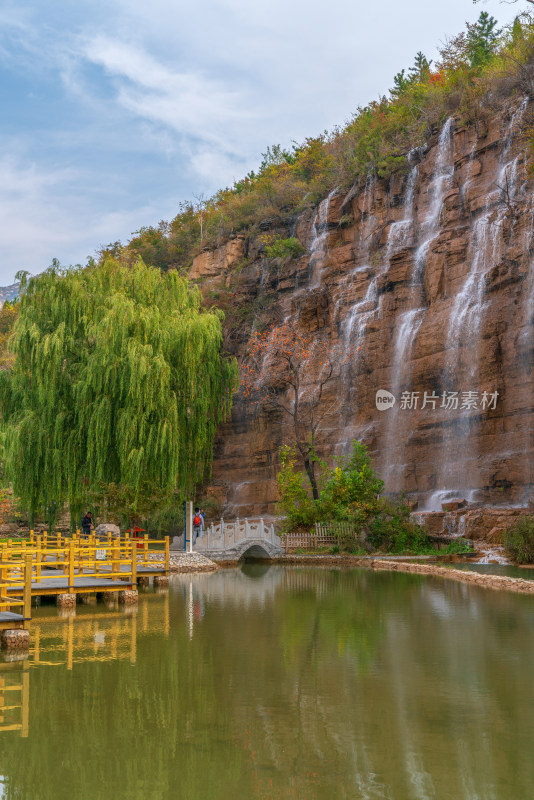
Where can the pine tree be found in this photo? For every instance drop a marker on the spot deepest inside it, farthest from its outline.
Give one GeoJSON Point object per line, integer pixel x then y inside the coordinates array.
{"type": "Point", "coordinates": [482, 37]}
{"type": "Point", "coordinates": [421, 68]}
{"type": "Point", "coordinates": [118, 379]}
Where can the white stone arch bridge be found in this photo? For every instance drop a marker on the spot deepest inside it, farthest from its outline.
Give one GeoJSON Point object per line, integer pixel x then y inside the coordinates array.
{"type": "Point", "coordinates": [230, 541]}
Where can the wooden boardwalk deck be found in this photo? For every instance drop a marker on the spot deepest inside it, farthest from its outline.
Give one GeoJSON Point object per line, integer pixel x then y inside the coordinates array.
{"type": "Point", "coordinates": [7, 617]}
{"type": "Point", "coordinates": [55, 582]}
{"type": "Point", "coordinates": [56, 566]}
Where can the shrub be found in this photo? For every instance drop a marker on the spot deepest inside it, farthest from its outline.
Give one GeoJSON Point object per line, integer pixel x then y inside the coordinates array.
{"type": "Point", "coordinates": [295, 503]}
{"type": "Point", "coordinates": [349, 493]}
{"type": "Point", "coordinates": [458, 547]}
{"type": "Point", "coordinates": [394, 531]}
{"type": "Point", "coordinates": [285, 249]}
{"type": "Point", "coordinates": [519, 540]}
{"type": "Point", "coordinates": [351, 489]}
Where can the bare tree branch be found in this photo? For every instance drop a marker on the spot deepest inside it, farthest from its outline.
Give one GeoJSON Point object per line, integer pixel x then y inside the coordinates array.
{"type": "Point", "coordinates": [278, 364]}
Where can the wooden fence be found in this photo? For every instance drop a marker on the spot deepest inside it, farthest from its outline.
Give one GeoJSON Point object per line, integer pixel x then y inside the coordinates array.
{"type": "Point", "coordinates": [320, 536]}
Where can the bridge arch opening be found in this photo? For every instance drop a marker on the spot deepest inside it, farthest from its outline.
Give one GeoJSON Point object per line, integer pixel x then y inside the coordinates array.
{"type": "Point", "coordinates": [254, 551]}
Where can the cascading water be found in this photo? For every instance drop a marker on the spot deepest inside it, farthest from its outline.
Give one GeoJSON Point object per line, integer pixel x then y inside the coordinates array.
{"type": "Point", "coordinates": [410, 320]}
{"type": "Point", "coordinates": [401, 231]}
{"type": "Point", "coordinates": [367, 227]}
{"type": "Point", "coordinates": [467, 314]}
{"type": "Point", "coordinates": [319, 242]}
{"type": "Point", "coordinates": [366, 309]}
{"type": "Point", "coordinates": [398, 236]}
{"type": "Point", "coordinates": [526, 348]}
{"type": "Point", "coordinates": [485, 245]}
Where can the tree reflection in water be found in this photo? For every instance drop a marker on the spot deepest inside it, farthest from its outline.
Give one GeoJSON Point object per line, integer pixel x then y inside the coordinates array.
{"type": "Point", "coordinates": [282, 682]}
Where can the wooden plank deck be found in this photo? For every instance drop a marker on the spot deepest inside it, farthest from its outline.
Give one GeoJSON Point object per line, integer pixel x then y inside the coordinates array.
{"type": "Point", "coordinates": [10, 616]}
{"type": "Point", "coordinates": [8, 619]}
{"type": "Point", "coordinates": [59, 584]}
{"type": "Point", "coordinates": [106, 567]}
{"type": "Point", "coordinates": [55, 582]}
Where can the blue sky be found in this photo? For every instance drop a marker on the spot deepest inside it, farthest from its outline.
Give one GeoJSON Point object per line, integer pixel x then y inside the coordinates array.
{"type": "Point", "coordinates": [113, 113]}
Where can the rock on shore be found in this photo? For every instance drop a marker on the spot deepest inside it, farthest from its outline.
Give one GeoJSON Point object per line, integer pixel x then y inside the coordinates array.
{"type": "Point", "coordinates": [189, 562]}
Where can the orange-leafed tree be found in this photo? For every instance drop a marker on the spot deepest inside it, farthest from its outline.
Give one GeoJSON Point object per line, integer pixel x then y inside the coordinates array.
{"type": "Point", "coordinates": [290, 370]}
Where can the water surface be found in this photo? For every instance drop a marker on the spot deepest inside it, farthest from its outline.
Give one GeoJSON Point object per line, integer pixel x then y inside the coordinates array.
{"type": "Point", "coordinates": [279, 682]}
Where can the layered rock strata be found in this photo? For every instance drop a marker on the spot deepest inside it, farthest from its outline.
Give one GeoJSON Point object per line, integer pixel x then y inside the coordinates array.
{"type": "Point", "coordinates": [425, 281]}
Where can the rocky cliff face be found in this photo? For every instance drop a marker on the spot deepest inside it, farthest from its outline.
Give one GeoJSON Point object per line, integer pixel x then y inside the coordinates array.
{"type": "Point", "coordinates": [426, 280]}
{"type": "Point", "coordinates": [9, 292]}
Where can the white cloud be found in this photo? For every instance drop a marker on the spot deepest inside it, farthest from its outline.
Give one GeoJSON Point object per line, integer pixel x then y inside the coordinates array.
{"type": "Point", "coordinates": [188, 102]}
{"type": "Point", "coordinates": [45, 215]}
{"type": "Point", "coordinates": [143, 104]}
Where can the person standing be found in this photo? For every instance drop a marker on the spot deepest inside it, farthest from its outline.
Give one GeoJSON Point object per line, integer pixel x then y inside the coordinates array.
{"type": "Point", "coordinates": [198, 524]}
{"type": "Point", "coordinates": [87, 524]}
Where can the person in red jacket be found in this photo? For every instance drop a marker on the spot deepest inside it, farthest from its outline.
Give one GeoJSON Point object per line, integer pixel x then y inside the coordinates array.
{"type": "Point", "coordinates": [198, 524]}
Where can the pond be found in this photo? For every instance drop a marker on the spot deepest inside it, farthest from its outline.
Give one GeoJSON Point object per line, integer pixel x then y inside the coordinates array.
{"type": "Point", "coordinates": [277, 682]}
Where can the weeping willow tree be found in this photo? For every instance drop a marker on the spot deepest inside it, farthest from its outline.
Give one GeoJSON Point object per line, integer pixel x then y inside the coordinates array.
{"type": "Point", "coordinates": [118, 379]}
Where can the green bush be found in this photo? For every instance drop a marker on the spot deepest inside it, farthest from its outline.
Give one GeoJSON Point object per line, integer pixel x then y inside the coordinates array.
{"type": "Point", "coordinates": [459, 547]}
{"type": "Point", "coordinates": [348, 543]}
{"type": "Point", "coordinates": [351, 489]}
{"type": "Point", "coordinates": [393, 530]}
{"type": "Point", "coordinates": [349, 493]}
{"type": "Point", "coordinates": [519, 541]}
{"type": "Point", "coordinates": [285, 249]}
{"type": "Point", "coordinates": [295, 503]}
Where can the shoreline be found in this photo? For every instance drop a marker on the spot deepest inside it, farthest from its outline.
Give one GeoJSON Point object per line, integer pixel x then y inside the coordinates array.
{"type": "Point", "coordinates": [496, 582]}
{"type": "Point", "coordinates": [415, 565]}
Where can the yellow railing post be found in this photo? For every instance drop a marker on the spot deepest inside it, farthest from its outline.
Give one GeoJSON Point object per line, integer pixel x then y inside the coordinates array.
{"type": "Point", "coordinates": [71, 567]}
{"type": "Point", "coordinates": [32, 536]}
{"type": "Point", "coordinates": [27, 596]}
{"type": "Point", "coordinates": [70, 642]}
{"type": "Point", "coordinates": [3, 571]}
{"type": "Point", "coordinates": [145, 550]}
{"type": "Point", "coordinates": [25, 702]}
{"type": "Point", "coordinates": [167, 556]}
{"type": "Point", "coordinates": [115, 564]}
{"type": "Point", "coordinates": [134, 565]}
{"type": "Point", "coordinates": [38, 560]}
{"type": "Point", "coordinates": [45, 539]}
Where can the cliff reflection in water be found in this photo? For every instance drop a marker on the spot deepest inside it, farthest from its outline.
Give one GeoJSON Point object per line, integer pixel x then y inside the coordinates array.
{"type": "Point", "coordinates": [282, 682]}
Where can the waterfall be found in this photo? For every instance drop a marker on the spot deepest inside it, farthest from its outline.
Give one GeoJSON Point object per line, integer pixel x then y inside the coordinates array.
{"type": "Point", "coordinates": [469, 172]}
{"type": "Point", "coordinates": [400, 232]}
{"type": "Point", "coordinates": [411, 319]}
{"type": "Point", "coordinates": [319, 242]}
{"type": "Point", "coordinates": [398, 236]}
{"type": "Point", "coordinates": [429, 231]}
{"type": "Point", "coordinates": [485, 247]}
{"type": "Point", "coordinates": [467, 315]}
{"type": "Point", "coordinates": [526, 348]}
{"type": "Point", "coordinates": [353, 326]}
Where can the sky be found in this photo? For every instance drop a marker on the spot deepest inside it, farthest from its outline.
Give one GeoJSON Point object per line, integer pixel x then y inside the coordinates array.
{"type": "Point", "coordinates": [112, 113]}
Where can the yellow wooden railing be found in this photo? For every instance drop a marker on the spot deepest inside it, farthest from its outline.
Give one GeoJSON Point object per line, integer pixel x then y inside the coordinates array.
{"type": "Point", "coordinates": [113, 558]}
{"type": "Point", "coordinates": [15, 697]}
{"type": "Point", "coordinates": [16, 573]}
